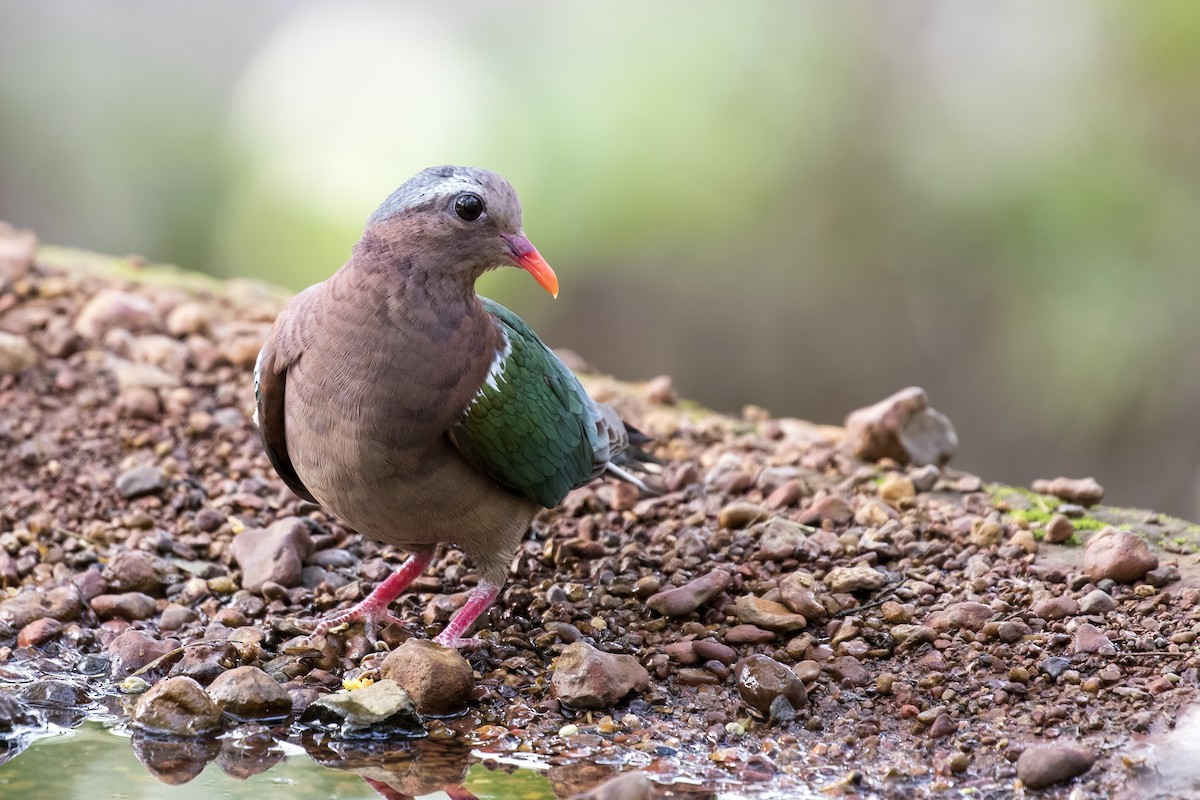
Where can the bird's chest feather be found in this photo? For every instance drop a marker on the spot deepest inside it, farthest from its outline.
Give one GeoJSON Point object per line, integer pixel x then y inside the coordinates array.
{"type": "Point", "coordinates": [374, 398]}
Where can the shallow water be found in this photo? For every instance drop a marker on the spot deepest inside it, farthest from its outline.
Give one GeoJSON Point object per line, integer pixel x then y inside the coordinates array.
{"type": "Point", "coordinates": [93, 761]}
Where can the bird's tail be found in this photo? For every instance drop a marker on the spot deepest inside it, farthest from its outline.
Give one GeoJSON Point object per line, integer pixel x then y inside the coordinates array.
{"type": "Point", "coordinates": [636, 465]}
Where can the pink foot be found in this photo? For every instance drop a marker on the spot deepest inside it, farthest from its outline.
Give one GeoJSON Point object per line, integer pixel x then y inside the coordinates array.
{"type": "Point", "coordinates": [483, 596]}
{"type": "Point", "coordinates": [372, 611]}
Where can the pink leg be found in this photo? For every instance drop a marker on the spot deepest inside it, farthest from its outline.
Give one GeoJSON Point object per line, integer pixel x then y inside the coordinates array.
{"type": "Point", "coordinates": [483, 596]}
{"type": "Point", "coordinates": [373, 609]}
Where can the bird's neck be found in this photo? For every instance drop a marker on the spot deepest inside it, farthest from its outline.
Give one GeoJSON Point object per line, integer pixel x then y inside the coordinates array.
{"type": "Point", "coordinates": [416, 289]}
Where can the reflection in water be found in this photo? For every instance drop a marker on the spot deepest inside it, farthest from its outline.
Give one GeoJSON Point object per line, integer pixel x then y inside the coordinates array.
{"type": "Point", "coordinates": [175, 761]}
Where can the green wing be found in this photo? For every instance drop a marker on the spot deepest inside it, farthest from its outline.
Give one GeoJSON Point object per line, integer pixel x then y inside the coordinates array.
{"type": "Point", "coordinates": [531, 427]}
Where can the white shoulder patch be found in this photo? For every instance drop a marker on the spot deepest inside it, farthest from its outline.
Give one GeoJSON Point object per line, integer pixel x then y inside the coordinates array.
{"type": "Point", "coordinates": [495, 372]}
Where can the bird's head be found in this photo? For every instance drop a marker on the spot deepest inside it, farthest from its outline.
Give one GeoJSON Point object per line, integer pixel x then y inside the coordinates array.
{"type": "Point", "coordinates": [457, 223]}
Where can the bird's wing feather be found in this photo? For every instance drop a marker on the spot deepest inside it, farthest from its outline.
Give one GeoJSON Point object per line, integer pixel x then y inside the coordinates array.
{"type": "Point", "coordinates": [281, 349]}
{"type": "Point", "coordinates": [532, 426]}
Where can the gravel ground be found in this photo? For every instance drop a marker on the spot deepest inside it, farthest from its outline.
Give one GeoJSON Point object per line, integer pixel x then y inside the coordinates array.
{"type": "Point", "coordinates": [858, 627]}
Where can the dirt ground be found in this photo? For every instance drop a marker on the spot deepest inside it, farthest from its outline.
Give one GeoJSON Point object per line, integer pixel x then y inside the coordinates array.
{"type": "Point", "coordinates": [936, 634]}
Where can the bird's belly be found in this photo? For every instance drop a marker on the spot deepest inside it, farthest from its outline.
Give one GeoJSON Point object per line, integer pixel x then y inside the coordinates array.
{"type": "Point", "coordinates": [408, 496]}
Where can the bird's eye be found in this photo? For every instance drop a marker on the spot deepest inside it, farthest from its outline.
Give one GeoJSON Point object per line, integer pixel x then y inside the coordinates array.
{"type": "Point", "coordinates": [468, 207]}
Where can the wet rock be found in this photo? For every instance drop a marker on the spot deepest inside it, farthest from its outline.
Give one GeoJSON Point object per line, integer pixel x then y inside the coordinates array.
{"type": "Point", "coordinates": [275, 554]}
{"type": "Point", "coordinates": [1056, 607]}
{"type": "Point", "coordinates": [969, 615]}
{"type": "Point", "coordinates": [129, 605]}
{"type": "Point", "coordinates": [382, 709]}
{"type": "Point", "coordinates": [902, 427]}
{"type": "Point", "coordinates": [1059, 529]}
{"type": "Point", "coordinates": [16, 354]}
{"type": "Point", "coordinates": [1098, 602]}
{"type": "Point", "coordinates": [626, 786]}
{"type": "Point", "coordinates": [585, 677]}
{"type": "Point", "coordinates": [13, 713]}
{"type": "Point", "coordinates": [1090, 639]}
{"type": "Point", "coordinates": [683, 600]}
{"type": "Point", "coordinates": [682, 652]}
{"type": "Point", "coordinates": [134, 649]}
{"type": "Point", "coordinates": [831, 507]}
{"type": "Point", "coordinates": [1117, 555]}
{"type": "Point", "coordinates": [138, 571]}
{"type": "Point", "coordinates": [55, 694]}
{"type": "Point", "coordinates": [249, 693]}
{"type": "Point", "coordinates": [21, 610]}
{"type": "Point", "coordinates": [1039, 767]}
{"type": "Point", "coordinates": [39, 632]}
{"type": "Point", "coordinates": [760, 679]}
{"type": "Point", "coordinates": [113, 309]}
{"type": "Point", "coordinates": [438, 680]}
{"type": "Point", "coordinates": [857, 578]}
{"type": "Point", "coordinates": [741, 515]}
{"type": "Point", "coordinates": [767, 614]}
{"type": "Point", "coordinates": [779, 538]}
{"type": "Point", "coordinates": [141, 480]}
{"type": "Point", "coordinates": [1084, 491]}
{"type": "Point", "coordinates": [176, 707]}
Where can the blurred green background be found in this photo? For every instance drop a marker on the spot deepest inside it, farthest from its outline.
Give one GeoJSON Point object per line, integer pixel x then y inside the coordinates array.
{"type": "Point", "coordinates": [801, 205]}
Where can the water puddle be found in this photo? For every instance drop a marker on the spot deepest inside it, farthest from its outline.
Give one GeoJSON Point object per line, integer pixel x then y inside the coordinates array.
{"type": "Point", "coordinates": [93, 761]}
{"type": "Point", "coordinates": [1168, 763]}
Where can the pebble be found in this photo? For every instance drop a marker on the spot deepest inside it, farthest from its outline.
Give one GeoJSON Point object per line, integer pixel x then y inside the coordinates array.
{"type": "Point", "coordinates": [113, 309]}
{"type": "Point", "coordinates": [1059, 529]}
{"type": "Point", "coordinates": [897, 490]}
{"type": "Point", "coordinates": [1090, 639]}
{"type": "Point", "coordinates": [585, 677]}
{"type": "Point", "coordinates": [778, 539]}
{"type": "Point", "coordinates": [382, 709]}
{"type": "Point", "coordinates": [683, 600]}
{"type": "Point", "coordinates": [138, 571]}
{"type": "Point", "coordinates": [275, 554]}
{"type": "Point", "coordinates": [16, 354]}
{"type": "Point", "coordinates": [741, 515]}
{"type": "Point", "coordinates": [966, 615]}
{"type": "Point", "coordinates": [832, 508]}
{"type": "Point", "coordinates": [39, 632]}
{"type": "Point", "coordinates": [857, 578]}
{"type": "Point", "coordinates": [712, 650]}
{"type": "Point", "coordinates": [176, 707]}
{"type": "Point", "coordinates": [13, 713]}
{"type": "Point", "coordinates": [1083, 491]}
{"type": "Point", "coordinates": [132, 606]}
{"type": "Point", "coordinates": [1097, 602]}
{"type": "Point", "coordinates": [1057, 607]}
{"type": "Point", "coordinates": [904, 428]}
{"type": "Point", "coordinates": [1117, 555]}
{"type": "Point", "coordinates": [133, 649]}
{"type": "Point", "coordinates": [760, 679]}
{"type": "Point", "coordinates": [249, 693]}
{"type": "Point", "coordinates": [767, 614]}
{"type": "Point", "coordinates": [748, 634]}
{"type": "Point", "coordinates": [1039, 767]}
{"type": "Point", "coordinates": [849, 671]}
{"type": "Point", "coordinates": [141, 480]}
{"type": "Point", "coordinates": [438, 679]}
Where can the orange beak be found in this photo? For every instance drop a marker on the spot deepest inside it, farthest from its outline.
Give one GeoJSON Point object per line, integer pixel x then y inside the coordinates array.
{"type": "Point", "coordinates": [530, 260]}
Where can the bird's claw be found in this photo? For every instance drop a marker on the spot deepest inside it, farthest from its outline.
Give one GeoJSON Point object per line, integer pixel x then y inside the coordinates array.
{"type": "Point", "coordinates": [373, 620]}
